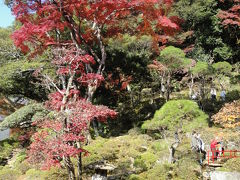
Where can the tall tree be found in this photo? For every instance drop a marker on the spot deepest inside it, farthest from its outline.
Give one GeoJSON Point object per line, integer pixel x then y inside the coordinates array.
{"type": "Point", "coordinates": [86, 25]}
{"type": "Point", "coordinates": [63, 134]}
{"type": "Point", "coordinates": [170, 60]}
{"type": "Point", "coordinates": [215, 24]}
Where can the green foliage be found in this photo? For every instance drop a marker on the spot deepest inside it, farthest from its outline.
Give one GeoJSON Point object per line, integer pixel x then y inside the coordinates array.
{"type": "Point", "coordinates": [7, 173]}
{"type": "Point", "coordinates": [232, 165]}
{"type": "Point", "coordinates": [233, 95]}
{"type": "Point", "coordinates": [22, 167]}
{"type": "Point", "coordinates": [210, 38]}
{"type": "Point", "coordinates": [173, 58]}
{"type": "Point", "coordinates": [6, 147]}
{"type": "Point", "coordinates": [146, 160]}
{"type": "Point", "coordinates": [222, 67]}
{"type": "Point", "coordinates": [133, 150]}
{"type": "Point", "coordinates": [132, 46]}
{"type": "Point", "coordinates": [174, 114]}
{"type": "Point", "coordinates": [53, 173]}
{"type": "Point", "coordinates": [158, 172]}
{"type": "Point", "coordinates": [225, 52]}
{"type": "Point", "coordinates": [27, 113]}
{"type": "Point", "coordinates": [7, 50]}
{"type": "Point", "coordinates": [16, 78]}
{"type": "Point", "coordinates": [200, 69]}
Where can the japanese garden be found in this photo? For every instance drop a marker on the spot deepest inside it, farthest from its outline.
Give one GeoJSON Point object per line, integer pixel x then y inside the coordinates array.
{"type": "Point", "coordinates": [120, 90]}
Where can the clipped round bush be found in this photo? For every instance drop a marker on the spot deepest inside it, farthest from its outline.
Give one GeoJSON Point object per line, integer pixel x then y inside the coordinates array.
{"type": "Point", "coordinates": [184, 114]}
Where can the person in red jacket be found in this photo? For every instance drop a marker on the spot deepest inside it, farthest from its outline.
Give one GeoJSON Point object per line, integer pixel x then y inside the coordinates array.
{"type": "Point", "coordinates": [214, 148]}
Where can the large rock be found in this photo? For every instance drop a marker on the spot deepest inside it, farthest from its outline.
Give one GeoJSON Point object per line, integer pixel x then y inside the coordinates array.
{"type": "Point", "coordinates": [218, 175]}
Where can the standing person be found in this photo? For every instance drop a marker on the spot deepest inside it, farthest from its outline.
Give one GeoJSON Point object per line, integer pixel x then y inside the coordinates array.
{"type": "Point", "coordinates": [213, 93]}
{"type": "Point", "coordinates": [214, 149]}
{"type": "Point", "coordinates": [223, 95]}
{"type": "Point", "coordinates": [201, 148]}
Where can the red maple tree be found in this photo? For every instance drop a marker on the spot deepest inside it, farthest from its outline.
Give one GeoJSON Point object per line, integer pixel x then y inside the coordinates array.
{"type": "Point", "coordinates": [231, 16]}
{"type": "Point", "coordinates": [63, 134]}
{"type": "Point", "coordinates": [86, 25]}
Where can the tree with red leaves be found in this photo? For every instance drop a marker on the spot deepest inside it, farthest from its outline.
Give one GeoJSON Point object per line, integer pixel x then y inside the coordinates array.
{"type": "Point", "coordinates": [87, 24]}
{"type": "Point", "coordinates": [231, 17]}
{"type": "Point", "coordinates": [62, 134]}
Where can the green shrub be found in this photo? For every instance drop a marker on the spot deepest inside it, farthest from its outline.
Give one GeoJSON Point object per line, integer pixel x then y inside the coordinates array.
{"type": "Point", "coordinates": [159, 146]}
{"type": "Point", "coordinates": [177, 113]}
{"type": "Point", "coordinates": [187, 168]}
{"type": "Point", "coordinates": [55, 173]}
{"type": "Point", "coordinates": [9, 174]}
{"type": "Point", "coordinates": [159, 172]}
{"type": "Point", "coordinates": [34, 174]}
{"type": "Point", "coordinates": [23, 167]}
{"type": "Point", "coordinates": [52, 174]}
{"type": "Point", "coordinates": [231, 165]}
{"type": "Point", "coordinates": [135, 177]}
{"type": "Point", "coordinates": [6, 147]}
{"type": "Point", "coordinates": [232, 95]}
{"type": "Point", "coordinates": [24, 114]}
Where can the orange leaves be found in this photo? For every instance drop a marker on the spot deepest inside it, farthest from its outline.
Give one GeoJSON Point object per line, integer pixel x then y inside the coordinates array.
{"type": "Point", "coordinates": [157, 66]}
{"type": "Point", "coordinates": [229, 115]}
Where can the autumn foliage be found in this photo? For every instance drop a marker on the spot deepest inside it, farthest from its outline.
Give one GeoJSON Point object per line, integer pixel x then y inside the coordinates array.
{"type": "Point", "coordinates": [229, 115]}
{"type": "Point", "coordinates": [231, 17]}
{"type": "Point", "coordinates": [59, 136]}
{"type": "Point", "coordinates": [77, 31]}
{"type": "Point", "coordinates": [63, 133]}
{"type": "Point", "coordinates": [87, 22]}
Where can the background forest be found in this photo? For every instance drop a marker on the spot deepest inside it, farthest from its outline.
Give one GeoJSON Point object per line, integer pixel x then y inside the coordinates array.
{"type": "Point", "coordinates": [122, 86]}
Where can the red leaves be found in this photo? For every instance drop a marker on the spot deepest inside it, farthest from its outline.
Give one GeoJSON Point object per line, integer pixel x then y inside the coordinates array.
{"type": "Point", "coordinates": [157, 66]}
{"type": "Point", "coordinates": [231, 17]}
{"type": "Point", "coordinates": [42, 19]}
{"type": "Point", "coordinates": [168, 26]}
{"type": "Point", "coordinates": [56, 140]}
{"type": "Point", "coordinates": [91, 79]}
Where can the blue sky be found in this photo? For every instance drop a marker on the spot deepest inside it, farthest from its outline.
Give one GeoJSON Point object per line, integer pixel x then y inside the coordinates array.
{"type": "Point", "coordinates": [6, 17]}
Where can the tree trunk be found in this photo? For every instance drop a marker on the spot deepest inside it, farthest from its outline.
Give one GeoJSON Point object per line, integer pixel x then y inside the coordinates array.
{"type": "Point", "coordinates": [9, 102]}
{"type": "Point", "coordinates": [191, 86]}
{"type": "Point", "coordinates": [202, 89]}
{"type": "Point", "coordinates": [168, 87]}
{"type": "Point", "coordinates": [173, 147]}
{"type": "Point", "coordinates": [70, 168]}
{"type": "Point", "coordinates": [79, 162]}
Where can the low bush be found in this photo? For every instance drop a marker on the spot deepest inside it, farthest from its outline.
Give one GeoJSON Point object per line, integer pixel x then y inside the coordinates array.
{"type": "Point", "coordinates": [7, 173]}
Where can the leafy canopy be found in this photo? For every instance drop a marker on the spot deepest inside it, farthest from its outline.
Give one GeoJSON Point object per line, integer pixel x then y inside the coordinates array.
{"type": "Point", "coordinates": [173, 58]}
{"type": "Point", "coordinates": [222, 67]}
{"type": "Point", "coordinates": [200, 69]}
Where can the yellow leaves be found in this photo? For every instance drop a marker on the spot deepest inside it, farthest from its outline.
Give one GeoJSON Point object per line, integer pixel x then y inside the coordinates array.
{"type": "Point", "coordinates": [229, 115]}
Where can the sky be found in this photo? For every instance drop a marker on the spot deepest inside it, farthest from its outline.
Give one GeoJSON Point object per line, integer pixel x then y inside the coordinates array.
{"type": "Point", "coordinates": [6, 17]}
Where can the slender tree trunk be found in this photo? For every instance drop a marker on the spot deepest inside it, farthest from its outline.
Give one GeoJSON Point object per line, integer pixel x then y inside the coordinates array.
{"type": "Point", "coordinates": [70, 168]}
{"type": "Point", "coordinates": [172, 151]}
{"type": "Point", "coordinates": [91, 90]}
{"type": "Point", "coordinates": [168, 87]}
{"type": "Point", "coordinates": [79, 162]}
{"type": "Point", "coordinates": [191, 86]}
